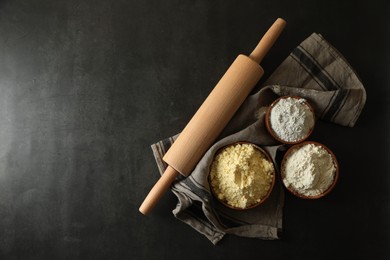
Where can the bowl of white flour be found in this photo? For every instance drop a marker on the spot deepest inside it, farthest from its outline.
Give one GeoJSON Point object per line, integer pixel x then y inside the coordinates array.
{"type": "Point", "coordinates": [309, 170]}
{"type": "Point", "coordinates": [242, 175]}
{"type": "Point", "coordinates": [290, 119]}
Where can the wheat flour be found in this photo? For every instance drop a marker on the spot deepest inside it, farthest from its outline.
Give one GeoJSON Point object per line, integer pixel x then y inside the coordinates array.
{"type": "Point", "coordinates": [309, 170]}
{"type": "Point", "coordinates": [291, 119]}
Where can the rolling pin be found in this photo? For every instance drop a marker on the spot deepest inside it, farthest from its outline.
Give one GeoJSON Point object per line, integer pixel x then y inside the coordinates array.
{"type": "Point", "coordinates": [213, 115]}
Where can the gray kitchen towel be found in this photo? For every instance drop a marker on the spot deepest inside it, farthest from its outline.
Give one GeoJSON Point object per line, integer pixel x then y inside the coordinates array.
{"type": "Point", "coordinates": [314, 70]}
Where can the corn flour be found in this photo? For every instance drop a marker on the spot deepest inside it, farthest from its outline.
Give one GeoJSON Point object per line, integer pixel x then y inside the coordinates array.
{"type": "Point", "coordinates": [291, 119]}
{"type": "Point", "coordinates": [241, 175]}
{"type": "Point", "coordinates": [309, 170]}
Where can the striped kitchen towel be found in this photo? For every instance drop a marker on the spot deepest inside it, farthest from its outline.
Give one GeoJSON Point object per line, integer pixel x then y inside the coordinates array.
{"type": "Point", "coordinates": [314, 70]}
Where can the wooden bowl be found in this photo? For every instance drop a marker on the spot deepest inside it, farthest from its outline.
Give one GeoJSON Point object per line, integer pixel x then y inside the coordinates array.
{"type": "Point", "coordinates": [294, 192]}
{"type": "Point", "coordinates": [267, 156]}
{"type": "Point", "coordinates": [268, 120]}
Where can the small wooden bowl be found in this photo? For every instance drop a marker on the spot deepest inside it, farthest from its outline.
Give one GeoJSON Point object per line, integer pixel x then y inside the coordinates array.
{"type": "Point", "coordinates": [268, 157]}
{"type": "Point", "coordinates": [336, 174]}
{"type": "Point", "coordinates": [268, 120]}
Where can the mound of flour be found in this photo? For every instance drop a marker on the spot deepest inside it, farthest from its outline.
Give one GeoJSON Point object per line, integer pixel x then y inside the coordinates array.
{"type": "Point", "coordinates": [241, 175]}
{"type": "Point", "coordinates": [309, 170]}
{"type": "Point", "coordinates": [291, 119]}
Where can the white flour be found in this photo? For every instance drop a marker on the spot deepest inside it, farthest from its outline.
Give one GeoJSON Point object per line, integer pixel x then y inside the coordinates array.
{"type": "Point", "coordinates": [309, 170]}
{"type": "Point", "coordinates": [291, 119]}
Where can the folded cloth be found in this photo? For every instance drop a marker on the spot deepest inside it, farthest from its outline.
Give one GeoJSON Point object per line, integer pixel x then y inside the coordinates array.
{"type": "Point", "coordinates": [314, 70]}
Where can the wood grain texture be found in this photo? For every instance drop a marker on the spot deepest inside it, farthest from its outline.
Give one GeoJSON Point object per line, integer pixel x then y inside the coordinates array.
{"type": "Point", "coordinates": [214, 114]}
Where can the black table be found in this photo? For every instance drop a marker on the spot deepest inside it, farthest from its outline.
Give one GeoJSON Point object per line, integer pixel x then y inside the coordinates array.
{"type": "Point", "coordinates": [88, 86]}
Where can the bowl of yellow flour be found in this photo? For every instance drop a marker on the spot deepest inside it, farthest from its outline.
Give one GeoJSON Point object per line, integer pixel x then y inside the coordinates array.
{"type": "Point", "coordinates": [242, 175]}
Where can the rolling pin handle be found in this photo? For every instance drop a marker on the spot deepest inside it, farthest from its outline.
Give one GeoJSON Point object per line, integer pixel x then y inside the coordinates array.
{"type": "Point", "coordinates": [268, 40]}
{"type": "Point", "coordinates": [158, 190]}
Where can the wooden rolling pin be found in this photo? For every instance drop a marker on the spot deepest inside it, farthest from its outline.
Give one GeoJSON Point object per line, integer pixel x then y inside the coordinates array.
{"type": "Point", "coordinates": [213, 115]}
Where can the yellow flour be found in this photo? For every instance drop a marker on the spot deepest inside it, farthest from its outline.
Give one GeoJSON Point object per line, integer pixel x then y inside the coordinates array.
{"type": "Point", "coordinates": [241, 175]}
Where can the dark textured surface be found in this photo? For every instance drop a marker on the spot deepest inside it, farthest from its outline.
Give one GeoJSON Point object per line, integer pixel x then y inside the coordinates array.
{"type": "Point", "coordinates": [87, 86]}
